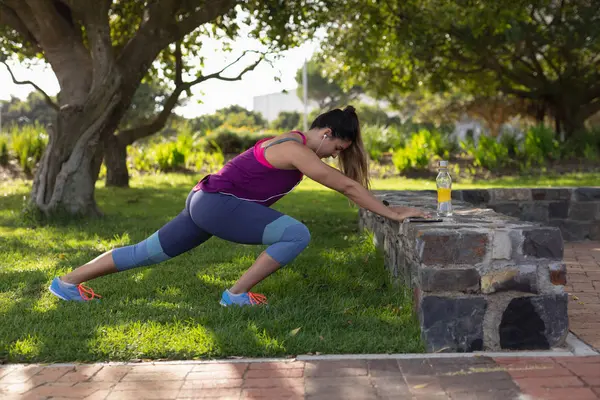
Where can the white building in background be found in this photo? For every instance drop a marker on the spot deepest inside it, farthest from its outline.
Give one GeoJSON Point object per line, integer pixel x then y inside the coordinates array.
{"type": "Point", "coordinates": [270, 105]}
{"type": "Point", "coordinates": [464, 125]}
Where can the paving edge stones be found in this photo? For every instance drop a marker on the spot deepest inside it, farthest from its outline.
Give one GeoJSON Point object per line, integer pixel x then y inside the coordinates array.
{"type": "Point", "coordinates": [575, 346]}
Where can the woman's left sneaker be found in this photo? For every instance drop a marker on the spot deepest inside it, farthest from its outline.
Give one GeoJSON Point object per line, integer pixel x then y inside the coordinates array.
{"type": "Point", "coordinates": [71, 292]}
{"type": "Point", "coordinates": [242, 299]}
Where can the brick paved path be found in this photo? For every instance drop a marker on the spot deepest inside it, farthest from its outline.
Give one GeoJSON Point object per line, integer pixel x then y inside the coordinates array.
{"type": "Point", "coordinates": [583, 284]}
{"type": "Point", "coordinates": [560, 378]}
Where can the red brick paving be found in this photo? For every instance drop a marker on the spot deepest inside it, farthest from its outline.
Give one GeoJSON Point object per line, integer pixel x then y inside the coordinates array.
{"type": "Point", "coordinates": [583, 285]}
{"type": "Point", "coordinates": [415, 379]}
{"type": "Point", "coordinates": [574, 377]}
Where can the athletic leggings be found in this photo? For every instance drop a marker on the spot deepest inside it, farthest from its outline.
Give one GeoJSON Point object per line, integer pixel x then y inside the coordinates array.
{"type": "Point", "coordinates": [227, 217]}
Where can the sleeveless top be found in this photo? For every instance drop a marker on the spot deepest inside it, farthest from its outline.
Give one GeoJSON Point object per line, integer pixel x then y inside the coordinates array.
{"type": "Point", "coordinates": [249, 176]}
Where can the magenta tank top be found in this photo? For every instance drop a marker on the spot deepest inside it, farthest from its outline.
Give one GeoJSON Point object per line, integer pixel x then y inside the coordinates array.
{"type": "Point", "coordinates": [249, 176]}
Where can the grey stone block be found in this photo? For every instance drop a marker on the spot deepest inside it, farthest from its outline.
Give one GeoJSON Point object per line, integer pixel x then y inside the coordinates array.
{"type": "Point", "coordinates": [501, 246]}
{"type": "Point", "coordinates": [511, 194]}
{"type": "Point", "coordinates": [558, 209]}
{"type": "Point", "coordinates": [543, 243]}
{"type": "Point", "coordinates": [534, 323]}
{"type": "Point", "coordinates": [511, 209]}
{"type": "Point", "coordinates": [454, 324]}
{"type": "Point", "coordinates": [534, 212]}
{"type": "Point", "coordinates": [476, 197]}
{"type": "Point", "coordinates": [551, 194]}
{"type": "Point", "coordinates": [456, 195]}
{"type": "Point", "coordinates": [441, 248]}
{"type": "Point", "coordinates": [583, 211]}
{"type": "Point", "coordinates": [472, 249]}
{"type": "Point", "coordinates": [595, 231]}
{"type": "Point", "coordinates": [587, 194]}
{"type": "Point", "coordinates": [438, 280]}
{"type": "Point", "coordinates": [574, 230]}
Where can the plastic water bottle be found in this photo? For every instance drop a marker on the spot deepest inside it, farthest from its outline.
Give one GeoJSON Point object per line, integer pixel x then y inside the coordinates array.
{"type": "Point", "coordinates": [444, 190]}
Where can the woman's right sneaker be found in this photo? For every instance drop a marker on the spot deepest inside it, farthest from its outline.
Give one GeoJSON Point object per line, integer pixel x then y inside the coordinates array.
{"type": "Point", "coordinates": [71, 292]}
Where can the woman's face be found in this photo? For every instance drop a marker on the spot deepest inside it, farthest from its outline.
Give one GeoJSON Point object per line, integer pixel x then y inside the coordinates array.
{"type": "Point", "coordinates": [332, 147]}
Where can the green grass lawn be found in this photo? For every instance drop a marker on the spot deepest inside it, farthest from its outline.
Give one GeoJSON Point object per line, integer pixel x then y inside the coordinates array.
{"type": "Point", "coordinates": [335, 298]}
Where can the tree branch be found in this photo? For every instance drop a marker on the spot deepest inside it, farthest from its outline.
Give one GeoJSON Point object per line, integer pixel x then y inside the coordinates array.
{"type": "Point", "coordinates": [487, 59]}
{"type": "Point", "coordinates": [10, 18]}
{"type": "Point", "coordinates": [236, 78]}
{"type": "Point", "coordinates": [520, 93]}
{"type": "Point", "coordinates": [129, 136]}
{"type": "Point", "coordinates": [593, 93]}
{"type": "Point", "coordinates": [590, 109]}
{"type": "Point", "coordinates": [501, 70]}
{"type": "Point", "coordinates": [201, 15]}
{"type": "Point", "coordinates": [95, 19]}
{"type": "Point", "coordinates": [459, 71]}
{"type": "Point", "coordinates": [162, 28]}
{"type": "Point", "coordinates": [52, 25]}
{"type": "Point", "coordinates": [178, 64]}
{"type": "Point", "coordinates": [39, 89]}
{"type": "Point", "coordinates": [535, 61]}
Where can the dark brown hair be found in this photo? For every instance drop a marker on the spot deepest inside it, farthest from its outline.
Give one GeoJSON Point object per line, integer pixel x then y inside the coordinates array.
{"type": "Point", "coordinates": [344, 124]}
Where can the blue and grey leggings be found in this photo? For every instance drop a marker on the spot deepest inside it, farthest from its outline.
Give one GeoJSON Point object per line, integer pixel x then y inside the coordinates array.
{"type": "Point", "coordinates": [227, 217]}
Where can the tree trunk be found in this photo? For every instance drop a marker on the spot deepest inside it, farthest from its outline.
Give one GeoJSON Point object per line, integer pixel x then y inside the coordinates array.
{"type": "Point", "coordinates": [115, 158]}
{"type": "Point", "coordinates": [572, 124]}
{"type": "Point", "coordinates": [540, 114]}
{"type": "Point", "coordinates": [568, 118]}
{"type": "Point", "coordinates": [67, 173]}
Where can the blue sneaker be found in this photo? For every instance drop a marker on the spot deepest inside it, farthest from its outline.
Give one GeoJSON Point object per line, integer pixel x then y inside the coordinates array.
{"type": "Point", "coordinates": [243, 299]}
{"type": "Point", "coordinates": [71, 292]}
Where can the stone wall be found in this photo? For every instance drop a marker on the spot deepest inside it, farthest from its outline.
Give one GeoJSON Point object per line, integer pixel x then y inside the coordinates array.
{"type": "Point", "coordinates": [481, 280]}
{"type": "Point", "coordinates": [575, 211]}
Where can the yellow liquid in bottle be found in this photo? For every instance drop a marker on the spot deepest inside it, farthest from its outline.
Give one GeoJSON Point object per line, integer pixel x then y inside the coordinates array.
{"type": "Point", "coordinates": [444, 195]}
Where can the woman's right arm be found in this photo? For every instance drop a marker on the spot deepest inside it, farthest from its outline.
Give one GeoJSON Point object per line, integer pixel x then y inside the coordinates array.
{"type": "Point", "coordinates": [311, 166]}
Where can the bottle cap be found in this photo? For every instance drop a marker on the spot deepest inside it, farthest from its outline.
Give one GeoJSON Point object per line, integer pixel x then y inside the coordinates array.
{"type": "Point", "coordinates": [443, 163]}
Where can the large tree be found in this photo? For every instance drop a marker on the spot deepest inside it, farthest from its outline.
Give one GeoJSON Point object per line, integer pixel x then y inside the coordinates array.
{"type": "Point", "coordinates": [101, 50]}
{"type": "Point", "coordinates": [544, 51]}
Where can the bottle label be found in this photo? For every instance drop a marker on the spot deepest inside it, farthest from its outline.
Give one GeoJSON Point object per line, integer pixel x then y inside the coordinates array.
{"type": "Point", "coordinates": [444, 195]}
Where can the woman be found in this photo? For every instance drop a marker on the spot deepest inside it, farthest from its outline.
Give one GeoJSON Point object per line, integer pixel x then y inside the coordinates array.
{"type": "Point", "coordinates": [234, 204]}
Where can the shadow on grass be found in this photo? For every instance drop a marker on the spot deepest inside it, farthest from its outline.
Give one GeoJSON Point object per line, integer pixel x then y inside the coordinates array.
{"type": "Point", "coordinates": [337, 292]}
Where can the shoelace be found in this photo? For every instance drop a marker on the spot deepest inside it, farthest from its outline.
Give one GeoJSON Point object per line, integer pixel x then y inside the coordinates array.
{"type": "Point", "coordinates": [84, 291]}
{"type": "Point", "coordinates": [257, 298]}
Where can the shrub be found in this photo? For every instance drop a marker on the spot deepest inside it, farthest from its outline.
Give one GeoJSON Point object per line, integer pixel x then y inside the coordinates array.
{"type": "Point", "coordinates": [489, 153]}
{"type": "Point", "coordinates": [140, 158]}
{"type": "Point", "coordinates": [185, 151]}
{"type": "Point", "coordinates": [28, 144]}
{"type": "Point", "coordinates": [3, 150]}
{"type": "Point", "coordinates": [379, 139]}
{"type": "Point", "coordinates": [202, 161]}
{"type": "Point", "coordinates": [169, 156]}
{"type": "Point", "coordinates": [585, 143]}
{"type": "Point", "coordinates": [422, 148]}
{"type": "Point", "coordinates": [232, 140]}
{"type": "Point", "coordinates": [540, 145]}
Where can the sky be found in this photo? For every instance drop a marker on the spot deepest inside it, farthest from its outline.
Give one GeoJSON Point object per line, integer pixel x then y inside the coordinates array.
{"type": "Point", "coordinates": [207, 96]}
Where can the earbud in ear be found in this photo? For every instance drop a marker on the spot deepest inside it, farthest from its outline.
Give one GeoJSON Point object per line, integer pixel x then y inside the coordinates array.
{"type": "Point", "coordinates": [325, 136]}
